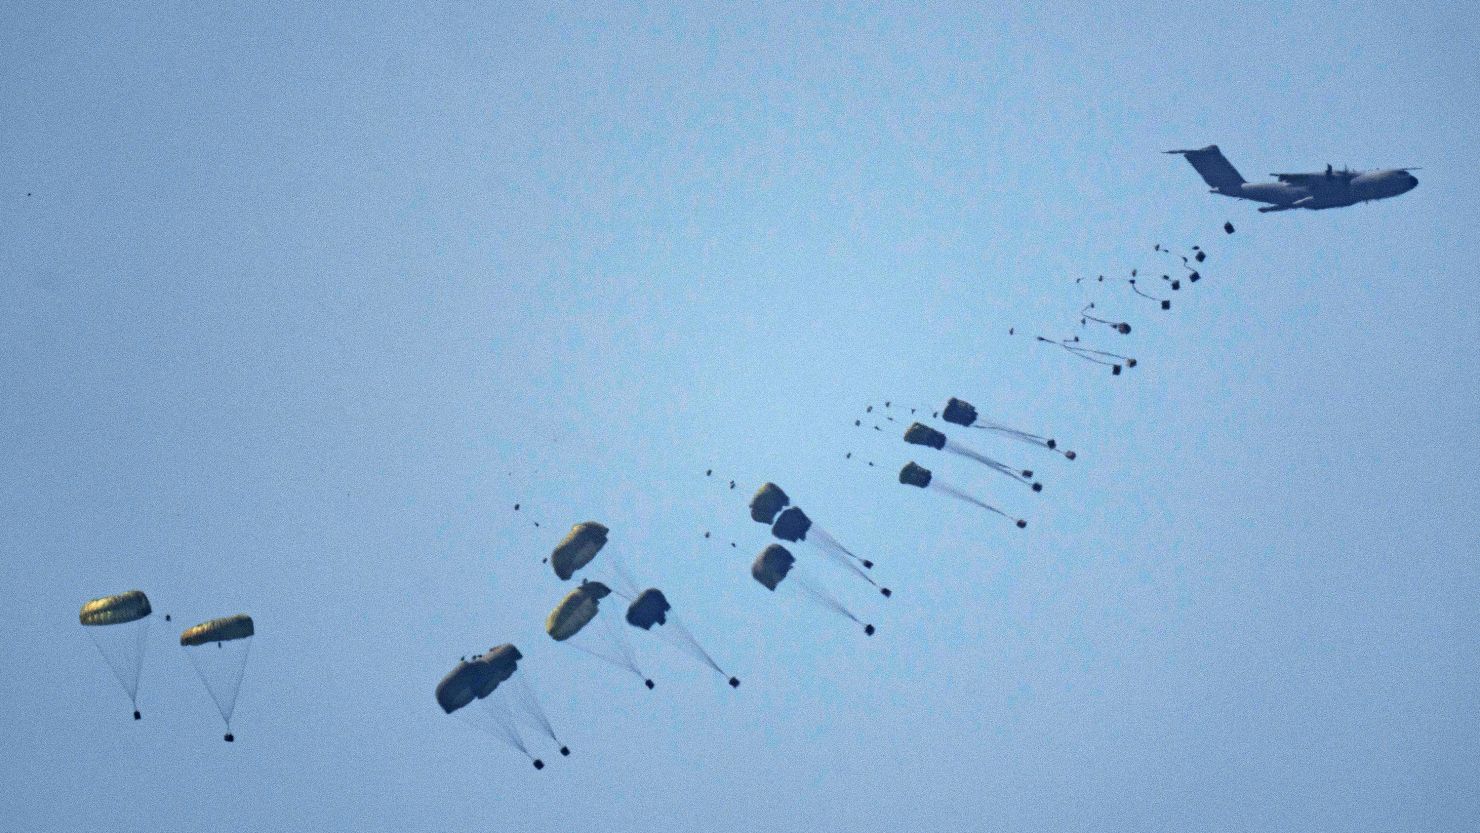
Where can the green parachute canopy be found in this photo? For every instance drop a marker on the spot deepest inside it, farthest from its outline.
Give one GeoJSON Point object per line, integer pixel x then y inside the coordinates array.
{"type": "Point", "coordinates": [577, 549]}
{"type": "Point", "coordinates": [792, 525]}
{"type": "Point", "coordinates": [575, 610]}
{"type": "Point", "coordinates": [225, 629]}
{"type": "Point", "coordinates": [116, 610]}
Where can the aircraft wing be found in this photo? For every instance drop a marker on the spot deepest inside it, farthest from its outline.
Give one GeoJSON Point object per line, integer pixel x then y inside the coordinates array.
{"type": "Point", "coordinates": [1312, 179]}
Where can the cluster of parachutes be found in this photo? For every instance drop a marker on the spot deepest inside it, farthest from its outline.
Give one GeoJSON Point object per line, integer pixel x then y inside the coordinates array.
{"type": "Point", "coordinates": [217, 649]}
{"type": "Point", "coordinates": [490, 692]}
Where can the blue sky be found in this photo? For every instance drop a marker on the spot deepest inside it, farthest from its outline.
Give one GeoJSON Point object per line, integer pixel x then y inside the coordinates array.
{"type": "Point", "coordinates": [301, 301]}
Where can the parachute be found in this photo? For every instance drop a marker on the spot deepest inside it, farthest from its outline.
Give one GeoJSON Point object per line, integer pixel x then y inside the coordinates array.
{"type": "Point", "coordinates": [918, 434]}
{"type": "Point", "coordinates": [776, 563]}
{"type": "Point", "coordinates": [221, 668]}
{"type": "Point", "coordinates": [768, 500]}
{"type": "Point", "coordinates": [651, 610]}
{"type": "Point", "coordinates": [1118, 326]}
{"type": "Point", "coordinates": [577, 549]}
{"type": "Point", "coordinates": [920, 477]}
{"type": "Point", "coordinates": [482, 676]}
{"type": "Point", "coordinates": [578, 609]}
{"type": "Point", "coordinates": [119, 627]}
{"type": "Point", "coordinates": [772, 565]}
{"type": "Point", "coordinates": [960, 412]}
{"type": "Point", "coordinates": [793, 525]}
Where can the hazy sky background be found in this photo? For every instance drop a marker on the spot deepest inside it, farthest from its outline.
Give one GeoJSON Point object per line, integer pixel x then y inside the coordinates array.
{"type": "Point", "coordinates": [295, 291]}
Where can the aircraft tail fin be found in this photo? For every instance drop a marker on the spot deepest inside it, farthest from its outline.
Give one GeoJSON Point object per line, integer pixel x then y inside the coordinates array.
{"type": "Point", "coordinates": [1215, 170]}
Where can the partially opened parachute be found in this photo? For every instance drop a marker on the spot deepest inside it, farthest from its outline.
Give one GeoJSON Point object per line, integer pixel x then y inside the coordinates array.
{"type": "Point", "coordinates": [119, 627]}
{"type": "Point", "coordinates": [577, 549]}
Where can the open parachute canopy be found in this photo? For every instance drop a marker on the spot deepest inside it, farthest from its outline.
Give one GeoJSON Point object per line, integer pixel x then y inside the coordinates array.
{"type": "Point", "coordinates": [577, 549]}
{"type": "Point", "coordinates": [116, 610]}
{"type": "Point", "coordinates": [575, 610]}
{"type": "Point", "coordinates": [768, 500]}
{"type": "Point", "coordinates": [918, 434]}
{"type": "Point", "coordinates": [649, 608]}
{"type": "Point", "coordinates": [914, 475]}
{"type": "Point", "coordinates": [477, 678]}
{"type": "Point", "coordinates": [959, 412]}
{"type": "Point", "coordinates": [772, 565]}
{"type": "Point", "coordinates": [792, 525]}
{"type": "Point", "coordinates": [225, 629]}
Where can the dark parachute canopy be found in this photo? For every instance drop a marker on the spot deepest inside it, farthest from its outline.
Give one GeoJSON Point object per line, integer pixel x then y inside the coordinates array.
{"type": "Point", "coordinates": [914, 475]}
{"type": "Point", "coordinates": [481, 676]}
{"type": "Point", "coordinates": [768, 500]}
{"type": "Point", "coordinates": [220, 669]}
{"type": "Point", "coordinates": [648, 609]}
{"type": "Point", "coordinates": [651, 609]}
{"type": "Point", "coordinates": [918, 434]}
{"type": "Point", "coordinates": [577, 549]}
{"type": "Point", "coordinates": [477, 678]}
{"type": "Point", "coordinates": [772, 565]}
{"type": "Point", "coordinates": [119, 626]}
{"type": "Point", "coordinates": [959, 412]}
{"type": "Point", "coordinates": [792, 526]}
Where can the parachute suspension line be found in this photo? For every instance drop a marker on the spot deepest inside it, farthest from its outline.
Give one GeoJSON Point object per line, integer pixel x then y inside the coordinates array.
{"type": "Point", "coordinates": [1165, 303]}
{"type": "Point", "coordinates": [531, 705]}
{"type": "Point", "coordinates": [960, 495]}
{"type": "Point", "coordinates": [839, 554]}
{"type": "Point", "coordinates": [618, 640]}
{"type": "Point", "coordinates": [1032, 439]}
{"type": "Point", "coordinates": [824, 598]}
{"type": "Point", "coordinates": [127, 679]}
{"type": "Point", "coordinates": [697, 650]}
{"type": "Point", "coordinates": [830, 543]}
{"type": "Point", "coordinates": [624, 578]}
{"type": "Point", "coordinates": [1118, 326]}
{"type": "Point", "coordinates": [228, 707]}
{"type": "Point", "coordinates": [498, 725]}
{"type": "Point", "coordinates": [1024, 476]}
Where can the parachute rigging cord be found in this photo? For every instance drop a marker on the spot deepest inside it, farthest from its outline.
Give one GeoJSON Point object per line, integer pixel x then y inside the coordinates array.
{"type": "Point", "coordinates": [529, 703]}
{"type": "Point", "coordinates": [1118, 326]}
{"type": "Point", "coordinates": [1100, 357]}
{"type": "Point", "coordinates": [1024, 476]}
{"type": "Point", "coordinates": [936, 485]}
{"type": "Point", "coordinates": [225, 700]}
{"type": "Point", "coordinates": [499, 724]}
{"type": "Point", "coordinates": [830, 547]}
{"type": "Point", "coordinates": [127, 677]}
{"type": "Point", "coordinates": [622, 655]}
{"type": "Point", "coordinates": [1165, 303]}
{"type": "Point", "coordinates": [1032, 439]}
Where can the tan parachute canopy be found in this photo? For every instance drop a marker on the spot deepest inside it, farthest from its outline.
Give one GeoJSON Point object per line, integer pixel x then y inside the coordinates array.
{"type": "Point", "coordinates": [575, 610]}
{"type": "Point", "coordinates": [578, 548]}
{"type": "Point", "coordinates": [219, 630]}
{"type": "Point", "coordinates": [116, 610]}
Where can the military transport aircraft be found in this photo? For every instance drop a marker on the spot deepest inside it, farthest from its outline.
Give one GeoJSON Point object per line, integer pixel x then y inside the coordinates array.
{"type": "Point", "coordinates": [1331, 189]}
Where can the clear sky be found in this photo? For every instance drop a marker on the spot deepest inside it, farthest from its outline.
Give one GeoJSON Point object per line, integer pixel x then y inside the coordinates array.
{"type": "Point", "coordinates": [298, 302]}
